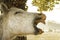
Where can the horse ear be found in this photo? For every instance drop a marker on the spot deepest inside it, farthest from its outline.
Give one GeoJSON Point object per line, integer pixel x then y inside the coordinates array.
{"type": "Point", "coordinates": [4, 8]}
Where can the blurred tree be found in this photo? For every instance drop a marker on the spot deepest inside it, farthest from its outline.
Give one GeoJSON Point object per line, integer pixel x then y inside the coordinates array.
{"type": "Point", "coordinates": [45, 5]}
{"type": "Point", "coordinates": [16, 3]}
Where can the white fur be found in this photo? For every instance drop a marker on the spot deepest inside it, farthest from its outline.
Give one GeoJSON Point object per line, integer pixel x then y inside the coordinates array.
{"type": "Point", "coordinates": [17, 24]}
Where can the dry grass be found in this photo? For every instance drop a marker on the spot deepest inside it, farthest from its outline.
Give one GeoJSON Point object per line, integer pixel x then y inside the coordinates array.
{"type": "Point", "coordinates": [44, 36]}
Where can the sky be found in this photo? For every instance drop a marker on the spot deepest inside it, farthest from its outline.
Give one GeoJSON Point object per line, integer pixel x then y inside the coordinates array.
{"type": "Point", "coordinates": [53, 15]}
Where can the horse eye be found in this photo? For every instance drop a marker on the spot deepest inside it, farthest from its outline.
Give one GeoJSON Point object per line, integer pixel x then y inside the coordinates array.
{"type": "Point", "coordinates": [17, 12]}
{"type": "Point", "coordinates": [1, 11]}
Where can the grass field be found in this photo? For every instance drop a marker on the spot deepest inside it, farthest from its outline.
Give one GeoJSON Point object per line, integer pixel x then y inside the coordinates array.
{"type": "Point", "coordinates": [45, 36]}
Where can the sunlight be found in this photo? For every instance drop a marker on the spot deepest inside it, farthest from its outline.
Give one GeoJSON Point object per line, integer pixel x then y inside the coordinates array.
{"type": "Point", "coordinates": [51, 15]}
{"type": "Point", "coordinates": [31, 8]}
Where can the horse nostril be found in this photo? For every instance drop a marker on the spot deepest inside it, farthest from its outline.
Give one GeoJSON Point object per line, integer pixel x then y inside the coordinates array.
{"type": "Point", "coordinates": [38, 18]}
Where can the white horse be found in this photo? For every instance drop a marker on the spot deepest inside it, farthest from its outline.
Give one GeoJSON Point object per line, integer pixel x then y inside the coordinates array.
{"type": "Point", "coordinates": [16, 21]}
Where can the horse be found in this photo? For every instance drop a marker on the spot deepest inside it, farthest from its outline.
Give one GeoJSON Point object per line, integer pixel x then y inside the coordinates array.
{"type": "Point", "coordinates": [15, 21]}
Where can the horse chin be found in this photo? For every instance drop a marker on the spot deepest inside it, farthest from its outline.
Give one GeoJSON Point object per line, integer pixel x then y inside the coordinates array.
{"type": "Point", "coordinates": [41, 31]}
